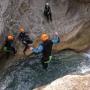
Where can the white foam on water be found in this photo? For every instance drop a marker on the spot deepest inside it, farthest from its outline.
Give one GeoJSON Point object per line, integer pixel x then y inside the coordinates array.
{"type": "Point", "coordinates": [87, 55]}
{"type": "Point", "coordinates": [84, 68]}
{"type": "Point", "coordinates": [3, 87]}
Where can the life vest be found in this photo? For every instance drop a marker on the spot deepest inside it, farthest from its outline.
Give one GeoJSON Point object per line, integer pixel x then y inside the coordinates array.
{"type": "Point", "coordinates": [8, 43]}
{"type": "Point", "coordinates": [47, 48]}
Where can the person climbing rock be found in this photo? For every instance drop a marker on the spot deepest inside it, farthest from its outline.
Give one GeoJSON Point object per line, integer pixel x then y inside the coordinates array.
{"type": "Point", "coordinates": [56, 38]}
{"type": "Point", "coordinates": [47, 12]}
{"type": "Point", "coordinates": [9, 46]}
{"type": "Point", "coordinates": [24, 38]}
{"type": "Point", "coordinates": [45, 48]}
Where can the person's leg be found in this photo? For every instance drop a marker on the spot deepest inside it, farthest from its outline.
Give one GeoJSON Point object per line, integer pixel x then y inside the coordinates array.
{"type": "Point", "coordinates": [46, 15]}
{"type": "Point", "coordinates": [13, 50]}
{"type": "Point", "coordinates": [44, 64]}
{"type": "Point", "coordinates": [8, 52]}
{"type": "Point", "coordinates": [7, 55]}
{"type": "Point", "coordinates": [25, 49]}
{"type": "Point", "coordinates": [50, 16]}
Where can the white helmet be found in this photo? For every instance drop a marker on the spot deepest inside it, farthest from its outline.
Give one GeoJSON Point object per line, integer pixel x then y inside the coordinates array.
{"type": "Point", "coordinates": [47, 4]}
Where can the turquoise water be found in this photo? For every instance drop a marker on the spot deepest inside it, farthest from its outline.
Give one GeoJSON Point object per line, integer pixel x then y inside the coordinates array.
{"type": "Point", "coordinates": [28, 74]}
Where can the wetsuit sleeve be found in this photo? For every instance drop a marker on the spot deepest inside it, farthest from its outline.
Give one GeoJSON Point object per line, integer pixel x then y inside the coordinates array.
{"type": "Point", "coordinates": [55, 39]}
{"type": "Point", "coordinates": [49, 9]}
{"type": "Point", "coordinates": [39, 49]}
{"type": "Point", "coordinates": [19, 36]}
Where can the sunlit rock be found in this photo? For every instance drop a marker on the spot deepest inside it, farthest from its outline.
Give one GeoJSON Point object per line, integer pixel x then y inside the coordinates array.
{"type": "Point", "coordinates": [69, 82]}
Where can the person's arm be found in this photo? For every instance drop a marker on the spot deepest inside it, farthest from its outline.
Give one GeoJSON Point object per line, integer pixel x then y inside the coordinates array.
{"type": "Point", "coordinates": [39, 49]}
{"type": "Point", "coordinates": [55, 40]}
{"type": "Point", "coordinates": [49, 9]}
{"type": "Point", "coordinates": [19, 36]}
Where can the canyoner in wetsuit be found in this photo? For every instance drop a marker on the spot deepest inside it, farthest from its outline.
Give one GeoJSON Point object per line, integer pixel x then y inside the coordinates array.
{"type": "Point", "coordinates": [45, 48]}
{"type": "Point", "coordinates": [24, 38]}
{"type": "Point", "coordinates": [9, 46]}
{"type": "Point", "coordinates": [47, 12]}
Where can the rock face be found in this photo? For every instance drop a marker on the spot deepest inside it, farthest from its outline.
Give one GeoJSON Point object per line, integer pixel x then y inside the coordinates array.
{"type": "Point", "coordinates": [3, 8]}
{"type": "Point", "coordinates": [78, 39]}
{"type": "Point", "coordinates": [67, 14]}
{"type": "Point", "coordinates": [71, 18]}
{"type": "Point", "coordinates": [87, 1]}
{"type": "Point", "coordinates": [69, 82]}
{"type": "Point", "coordinates": [29, 13]}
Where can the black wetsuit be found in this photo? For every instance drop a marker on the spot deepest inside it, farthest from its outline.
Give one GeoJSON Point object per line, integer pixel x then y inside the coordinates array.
{"type": "Point", "coordinates": [47, 48]}
{"type": "Point", "coordinates": [10, 47]}
{"type": "Point", "coordinates": [47, 13]}
{"type": "Point", "coordinates": [24, 38]}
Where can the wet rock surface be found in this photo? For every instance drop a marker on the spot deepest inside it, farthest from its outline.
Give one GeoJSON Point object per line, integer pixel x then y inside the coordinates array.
{"type": "Point", "coordinates": [69, 82]}
{"type": "Point", "coordinates": [28, 74]}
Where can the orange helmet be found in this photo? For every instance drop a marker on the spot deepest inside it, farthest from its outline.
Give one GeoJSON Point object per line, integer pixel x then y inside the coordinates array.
{"type": "Point", "coordinates": [10, 37]}
{"type": "Point", "coordinates": [21, 29]}
{"type": "Point", "coordinates": [44, 37]}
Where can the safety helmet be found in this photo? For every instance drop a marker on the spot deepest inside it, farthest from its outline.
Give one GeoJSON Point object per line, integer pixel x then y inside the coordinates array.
{"type": "Point", "coordinates": [47, 4]}
{"type": "Point", "coordinates": [44, 37]}
{"type": "Point", "coordinates": [21, 29]}
{"type": "Point", "coordinates": [10, 37]}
